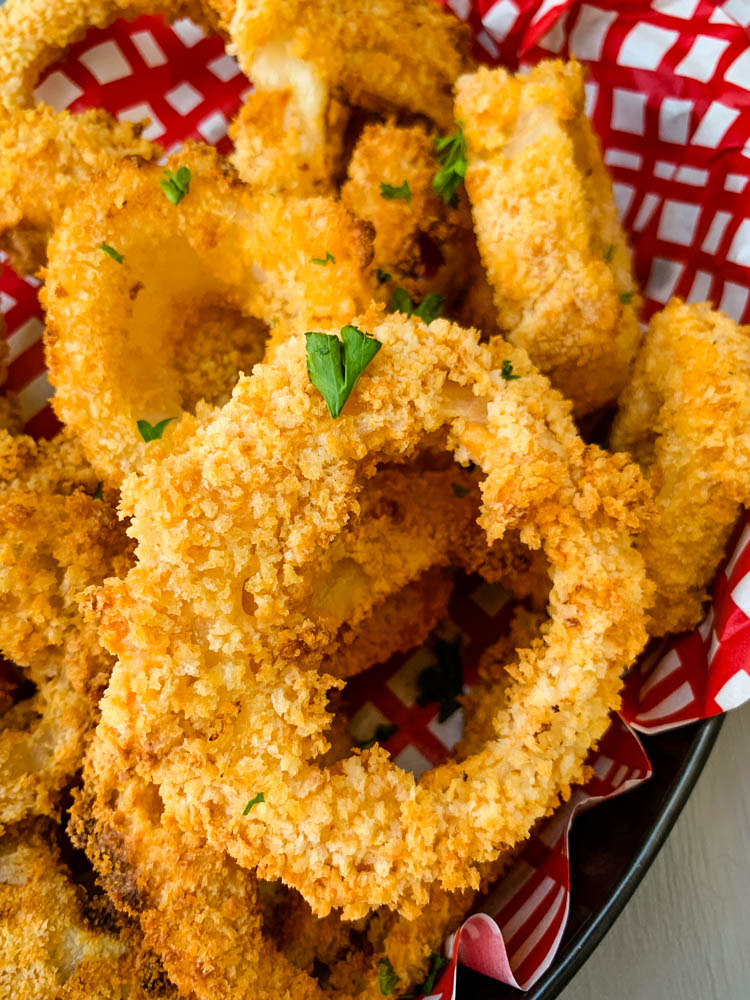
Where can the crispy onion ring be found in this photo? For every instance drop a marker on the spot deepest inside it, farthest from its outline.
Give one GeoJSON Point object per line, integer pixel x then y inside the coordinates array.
{"type": "Point", "coordinates": [52, 549]}
{"type": "Point", "coordinates": [547, 227]}
{"type": "Point", "coordinates": [685, 415]}
{"type": "Point", "coordinates": [362, 833]}
{"type": "Point", "coordinates": [125, 325]}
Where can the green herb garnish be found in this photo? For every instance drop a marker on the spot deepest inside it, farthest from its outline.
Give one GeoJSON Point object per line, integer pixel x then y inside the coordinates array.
{"type": "Point", "coordinates": [382, 734]}
{"type": "Point", "coordinates": [387, 977]}
{"type": "Point", "coordinates": [153, 432]}
{"type": "Point", "coordinates": [256, 800]}
{"type": "Point", "coordinates": [111, 252]}
{"type": "Point", "coordinates": [609, 253]}
{"type": "Point", "coordinates": [430, 308]}
{"type": "Point", "coordinates": [335, 365]}
{"type": "Point", "coordinates": [393, 193]}
{"type": "Point", "coordinates": [176, 186]}
{"type": "Point", "coordinates": [443, 682]}
{"type": "Point", "coordinates": [324, 260]}
{"type": "Point", "coordinates": [97, 494]}
{"type": "Point", "coordinates": [383, 276]}
{"type": "Point", "coordinates": [450, 151]}
{"type": "Point", "coordinates": [437, 964]}
{"type": "Point", "coordinates": [626, 298]}
{"type": "Point", "coordinates": [506, 370]}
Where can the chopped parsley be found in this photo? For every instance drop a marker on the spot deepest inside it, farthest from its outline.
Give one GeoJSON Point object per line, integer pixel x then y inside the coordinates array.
{"type": "Point", "coordinates": [387, 977]}
{"type": "Point", "coordinates": [609, 253]}
{"type": "Point", "coordinates": [176, 186]}
{"type": "Point", "coordinates": [324, 260]}
{"type": "Point", "coordinates": [430, 308]}
{"type": "Point", "coordinates": [392, 193]}
{"type": "Point", "coordinates": [255, 801]}
{"type": "Point", "coordinates": [450, 151]}
{"type": "Point", "coordinates": [383, 276]}
{"type": "Point", "coordinates": [97, 494]}
{"type": "Point", "coordinates": [460, 491]}
{"type": "Point", "coordinates": [506, 370]}
{"type": "Point", "coordinates": [153, 432]}
{"type": "Point", "coordinates": [443, 682]}
{"type": "Point", "coordinates": [626, 298]}
{"type": "Point", "coordinates": [335, 365]}
{"type": "Point", "coordinates": [111, 252]}
{"type": "Point", "coordinates": [382, 734]}
{"type": "Point", "coordinates": [437, 964]}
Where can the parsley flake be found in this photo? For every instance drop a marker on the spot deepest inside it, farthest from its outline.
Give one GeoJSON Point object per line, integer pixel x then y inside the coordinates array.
{"type": "Point", "coordinates": [335, 365]}
{"type": "Point", "coordinates": [383, 276]}
{"type": "Point", "coordinates": [506, 370]}
{"type": "Point", "coordinates": [437, 964]}
{"type": "Point", "coordinates": [111, 252]}
{"type": "Point", "coordinates": [387, 977]}
{"type": "Point", "coordinates": [255, 801]}
{"type": "Point", "coordinates": [324, 260]}
{"type": "Point", "coordinates": [609, 253]}
{"type": "Point", "coordinates": [450, 151]}
{"type": "Point", "coordinates": [153, 432]}
{"type": "Point", "coordinates": [430, 308]}
{"type": "Point", "coordinates": [392, 193]}
{"type": "Point", "coordinates": [443, 682]}
{"type": "Point", "coordinates": [626, 298]}
{"type": "Point", "coordinates": [176, 186]}
{"type": "Point", "coordinates": [97, 494]}
{"type": "Point", "coordinates": [460, 491]}
{"type": "Point", "coordinates": [382, 734]}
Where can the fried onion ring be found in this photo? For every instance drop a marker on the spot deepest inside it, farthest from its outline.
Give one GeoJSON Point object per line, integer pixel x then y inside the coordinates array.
{"type": "Point", "coordinates": [362, 833]}
{"type": "Point", "coordinates": [684, 416]}
{"type": "Point", "coordinates": [117, 334]}
{"type": "Point", "coordinates": [52, 549]}
{"type": "Point", "coordinates": [547, 227]}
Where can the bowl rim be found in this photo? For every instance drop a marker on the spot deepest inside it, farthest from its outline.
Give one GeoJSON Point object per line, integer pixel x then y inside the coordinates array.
{"type": "Point", "coordinates": [593, 930]}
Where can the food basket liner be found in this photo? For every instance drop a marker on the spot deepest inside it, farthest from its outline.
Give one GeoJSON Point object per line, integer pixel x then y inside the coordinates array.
{"type": "Point", "coordinates": [668, 90]}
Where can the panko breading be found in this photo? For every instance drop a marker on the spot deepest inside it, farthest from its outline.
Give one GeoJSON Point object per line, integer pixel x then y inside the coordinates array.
{"type": "Point", "coordinates": [685, 416]}
{"type": "Point", "coordinates": [52, 548]}
{"type": "Point", "coordinates": [168, 628]}
{"type": "Point", "coordinates": [49, 152]}
{"type": "Point", "coordinates": [547, 227]}
{"type": "Point", "coordinates": [49, 946]}
{"type": "Point", "coordinates": [386, 153]}
{"type": "Point", "coordinates": [279, 145]}
{"type": "Point", "coordinates": [57, 465]}
{"type": "Point", "coordinates": [383, 56]}
{"type": "Point", "coordinates": [119, 335]}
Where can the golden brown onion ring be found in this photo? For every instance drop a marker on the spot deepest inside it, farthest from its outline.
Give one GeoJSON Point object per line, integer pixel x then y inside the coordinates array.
{"type": "Point", "coordinates": [118, 333]}
{"type": "Point", "coordinates": [362, 833]}
{"type": "Point", "coordinates": [685, 415]}
{"type": "Point", "coordinates": [547, 227]}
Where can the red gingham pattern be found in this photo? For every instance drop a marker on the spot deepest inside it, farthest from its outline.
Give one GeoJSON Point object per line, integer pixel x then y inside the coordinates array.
{"type": "Point", "coordinates": [669, 93]}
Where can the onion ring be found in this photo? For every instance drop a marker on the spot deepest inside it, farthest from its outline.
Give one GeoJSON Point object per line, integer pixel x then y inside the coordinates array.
{"type": "Point", "coordinates": [124, 324]}
{"type": "Point", "coordinates": [581, 505]}
{"type": "Point", "coordinates": [547, 227]}
{"type": "Point", "coordinates": [685, 415]}
{"type": "Point", "coordinates": [52, 548]}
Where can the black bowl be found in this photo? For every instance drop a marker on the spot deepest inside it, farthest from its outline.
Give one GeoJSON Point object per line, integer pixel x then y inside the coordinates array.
{"type": "Point", "coordinates": [611, 849]}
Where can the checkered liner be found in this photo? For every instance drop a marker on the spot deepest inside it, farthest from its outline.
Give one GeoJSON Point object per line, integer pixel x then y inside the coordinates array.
{"type": "Point", "coordinates": [669, 93]}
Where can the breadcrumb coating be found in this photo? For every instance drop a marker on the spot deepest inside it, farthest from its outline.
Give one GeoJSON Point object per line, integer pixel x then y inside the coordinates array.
{"type": "Point", "coordinates": [45, 156]}
{"type": "Point", "coordinates": [684, 416]}
{"type": "Point", "coordinates": [57, 465]}
{"type": "Point", "coordinates": [423, 244]}
{"type": "Point", "coordinates": [547, 227]}
{"type": "Point", "coordinates": [383, 56]}
{"type": "Point", "coordinates": [49, 946]}
{"type": "Point", "coordinates": [115, 331]}
{"type": "Point", "coordinates": [361, 833]}
{"type": "Point", "coordinates": [52, 548]}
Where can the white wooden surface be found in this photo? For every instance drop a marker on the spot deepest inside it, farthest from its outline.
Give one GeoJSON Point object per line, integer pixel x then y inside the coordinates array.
{"type": "Point", "coordinates": [685, 934]}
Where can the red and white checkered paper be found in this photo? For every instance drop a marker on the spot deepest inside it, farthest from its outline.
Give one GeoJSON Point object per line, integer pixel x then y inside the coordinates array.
{"type": "Point", "coordinates": [668, 90]}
